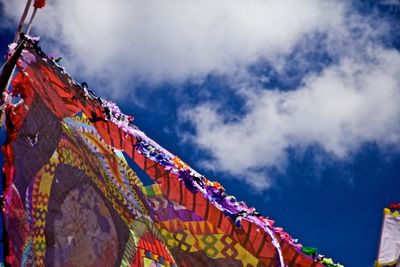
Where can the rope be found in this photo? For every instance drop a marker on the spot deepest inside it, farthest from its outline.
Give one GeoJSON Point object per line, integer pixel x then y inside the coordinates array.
{"type": "Point", "coordinates": [22, 20]}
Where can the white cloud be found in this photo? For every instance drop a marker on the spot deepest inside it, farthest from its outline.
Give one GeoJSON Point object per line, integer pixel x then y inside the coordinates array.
{"type": "Point", "coordinates": [157, 41]}
{"type": "Point", "coordinates": [352, 100]}
{"type": "Point", "coordinates": [339, 109]}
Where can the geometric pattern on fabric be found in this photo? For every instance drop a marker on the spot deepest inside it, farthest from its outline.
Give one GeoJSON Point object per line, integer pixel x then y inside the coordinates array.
{"type": "Point", "coordinates": [81, 204]}
{"type": "Point", "coordinates": [152, 263]}
{"type": "Point", "coordinates": [72, 200]}
{"type": "Point", "coordinates": [192, 236]}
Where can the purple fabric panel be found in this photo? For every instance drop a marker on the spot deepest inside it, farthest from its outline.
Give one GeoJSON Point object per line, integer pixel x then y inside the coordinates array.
{"type": "Point", "coordinates": [185, 215]}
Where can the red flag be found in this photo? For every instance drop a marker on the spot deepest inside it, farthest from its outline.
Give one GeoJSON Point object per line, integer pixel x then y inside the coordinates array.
{"type": "Point", "coordinates": [394, 206]}
{"type": "Point", "coordinates": [39, 3]}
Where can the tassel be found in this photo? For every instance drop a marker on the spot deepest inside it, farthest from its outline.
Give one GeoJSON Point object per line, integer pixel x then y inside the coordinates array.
{"type": "Point", "coordinates": [39, 3]}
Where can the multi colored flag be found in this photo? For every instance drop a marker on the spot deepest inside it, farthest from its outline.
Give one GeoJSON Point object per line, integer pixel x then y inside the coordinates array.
{"type": "Point", "coordinates": [71, 199]}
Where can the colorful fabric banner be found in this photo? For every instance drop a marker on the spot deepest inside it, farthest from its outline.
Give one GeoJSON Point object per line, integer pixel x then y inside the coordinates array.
{"type": "Point", "coordinates": [72, 200]}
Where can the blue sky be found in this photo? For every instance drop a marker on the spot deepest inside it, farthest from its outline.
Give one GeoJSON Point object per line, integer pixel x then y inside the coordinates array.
{"type": "Point", "coordinates": [292, 105]}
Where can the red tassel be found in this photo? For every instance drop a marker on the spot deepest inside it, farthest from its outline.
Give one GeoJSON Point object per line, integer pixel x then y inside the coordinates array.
{"type": "Point", "coordinates": [39, 3]}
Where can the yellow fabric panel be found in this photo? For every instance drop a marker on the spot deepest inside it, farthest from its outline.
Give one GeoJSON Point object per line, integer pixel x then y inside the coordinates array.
{"type": "Point", "coordinates": [151, 263]}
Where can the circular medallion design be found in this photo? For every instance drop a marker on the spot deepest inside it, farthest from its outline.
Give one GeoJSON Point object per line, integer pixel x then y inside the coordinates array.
{"type": "Point", "coordinates": [85, 234]}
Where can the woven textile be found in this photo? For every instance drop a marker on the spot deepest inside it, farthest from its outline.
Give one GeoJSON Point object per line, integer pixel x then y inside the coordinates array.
{"type": "Point", "coordinates": [72, 200]}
